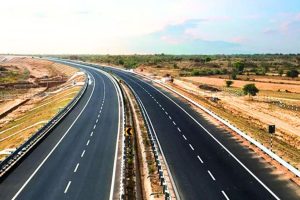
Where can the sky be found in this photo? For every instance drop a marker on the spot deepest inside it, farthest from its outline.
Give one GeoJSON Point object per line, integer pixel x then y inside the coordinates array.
{"type": "Point", "coordinates": [149, 27]}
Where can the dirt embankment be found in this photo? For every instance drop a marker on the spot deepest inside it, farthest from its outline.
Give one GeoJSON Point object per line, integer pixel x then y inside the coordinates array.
{"type": "Point", "coordinates": [23, 107]}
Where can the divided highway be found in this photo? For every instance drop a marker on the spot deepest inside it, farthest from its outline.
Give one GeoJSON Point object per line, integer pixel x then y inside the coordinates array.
{"type": "Point", "coordinates": [77, 159]}
{"type": "Point", "coordinates": [206, 162]}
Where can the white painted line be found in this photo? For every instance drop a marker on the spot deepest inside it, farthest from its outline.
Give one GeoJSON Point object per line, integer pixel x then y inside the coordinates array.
{"type": "Point", "coordinates": [184, 137]}
{"type": "Point", "coordinates": [170, 117]}
{"type": "Point", "coordinates": [98, 116]}
{"type": "Point", "coordinates": [159, 105]}
{"type": "Point", "coordinates": [200, 159]}
{"type": "Point", "coordinates": [82, 153]}
{"type": "Point", "coordinates": [91, 133]}
{"type": "Point", "coordinates": [66, 190]}
{"type": "Point", "coordinates": [174, 123]}
{"type": "Point", "coordinates": [229, 152]}
{"type": "Point", "coordinates": [97, 121]}
{"type": "Point", "coordinates": [162, 108]}
{"type": "Point", "coordinates": [213, 178]}
{"type": "Point", "coordinates": [192, 147]}
{"type": "Point", "coordinates": [95, 126]}
{"type": "Point", "coordinates": [75, 170]}
{"type": "Point", "coordinates": [88, 142]}
{"type": "Point", "coordinates": [166, 112]}
{"type": "Point", "coordinates": [50, 153]}
{"type": "Point", "coordinates": [226, 197]}
{"type": "Point", "coordinates": [178, 129]}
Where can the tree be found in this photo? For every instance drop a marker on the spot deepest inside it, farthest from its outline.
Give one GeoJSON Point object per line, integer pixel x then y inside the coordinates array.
{"type": "Point", "coordinates": [233, 74]}
{"type": "Point", "coordinates": [280, 72]}
{"type": "Point", "coordinates": [239, 66]}
{"type": "Point", "coordinates": [207, 59]}
{"type": "Point", "coordinates": [293, 73]}
{"type": "Point", "coordinates": [250, 89]}
{"type": "Point", "coordinates": [229, 83]}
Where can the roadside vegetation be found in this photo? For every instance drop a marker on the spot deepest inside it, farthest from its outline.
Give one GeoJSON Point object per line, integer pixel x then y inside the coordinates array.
{"type": "Point", "coordinates": [206, 65]}
{"type": "Point", "coordinates": [14, 133]}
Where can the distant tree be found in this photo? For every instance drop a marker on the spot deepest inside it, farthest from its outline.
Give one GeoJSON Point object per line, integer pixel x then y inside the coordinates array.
{"type": "Point", "coordinates": [250, 89]}
{"type": "Point", "coordinates": [207, 59]}
{"type": "Point", "coordinates": [293, 73]}
{"type": "Point", "coordinates": [229, 83]}
{"type": "Point", "coordinates": [233, 74]}
{"type": "Point", "coordinates": [121, 62]}
{"type": "Point", "coordinates": [239, 66]}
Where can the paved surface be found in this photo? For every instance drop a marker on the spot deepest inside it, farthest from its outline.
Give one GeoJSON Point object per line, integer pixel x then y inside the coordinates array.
{"type": "Point", "coordinates": [76, 160]}
{"type": "Point", "coordinates": [205, 161]}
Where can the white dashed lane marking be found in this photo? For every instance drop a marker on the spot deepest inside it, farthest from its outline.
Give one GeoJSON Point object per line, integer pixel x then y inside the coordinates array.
{"type": "Point", "coordinates": [225, 195]}
{"type": "Point", "coordinates": [66, 190]}
{"type": "Point", "coordinates": [213, 178]}
{"type": "Point", "coordinates": [178, 129]}
{"type": "Point", "coordinates": [75, 170]}
{"type": "Point", "coordinates": [174, 123]}
{"type": "Point", "coordinates": [88, 142]}
{"type": "Point", "coordinates": [91, 133]}
{"type": "Point", "coordinates": [192, 147]}
{"type": "Point", "coordinates": [200, 159]}
{"type": "Point", "coordinates": [184, 137]}
{"type": "Point", "coordinates": [83, 153]}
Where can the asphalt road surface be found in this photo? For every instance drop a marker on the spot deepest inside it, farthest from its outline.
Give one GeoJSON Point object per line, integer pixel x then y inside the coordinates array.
{"type": "Point", "coordinates": [77, 159]}
{"type": "Point", "coordinates": [206, 162]}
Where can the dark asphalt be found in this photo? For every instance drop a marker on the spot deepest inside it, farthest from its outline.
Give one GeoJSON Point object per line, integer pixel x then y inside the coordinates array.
{"type": "Point", "coordinates": [95, 153]}
{"type": "Point", "coordinates": [183, 140]}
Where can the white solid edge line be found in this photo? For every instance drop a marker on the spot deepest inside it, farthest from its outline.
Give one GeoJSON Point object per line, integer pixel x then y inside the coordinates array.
{"type": "Point", "coordinates": [120, 100]}
{"type": "Point", "coordinates": [213, 178]}
{"type": "Point", "coordinates": [66, 190]}
{"type": "Point", "coordinates": [162, 153]}
{"type": "Point", "coordinates": [45, 159]}
{"type": "Point", "coordinates": [232, 155]}
{"type": "Point", "coordinates": [226, 197]}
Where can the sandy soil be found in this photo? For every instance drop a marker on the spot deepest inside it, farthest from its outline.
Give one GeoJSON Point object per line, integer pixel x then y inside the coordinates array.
{"type": "Point", "coordinates": [287, 122]}
{"type": "Point", "coordinates": [240, 84]}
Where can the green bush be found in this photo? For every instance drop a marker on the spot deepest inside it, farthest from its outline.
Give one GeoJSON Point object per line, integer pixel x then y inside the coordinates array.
{"type": "Point", "coordinates": [293, 73]}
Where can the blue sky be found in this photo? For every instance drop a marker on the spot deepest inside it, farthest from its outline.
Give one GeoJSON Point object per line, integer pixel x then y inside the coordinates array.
{"type": "Point", "coordinates": [157, 26]}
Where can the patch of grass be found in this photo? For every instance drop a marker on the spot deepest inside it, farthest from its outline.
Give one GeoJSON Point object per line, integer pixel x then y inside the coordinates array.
{"type": "Point", "coordinates": [43, 113]}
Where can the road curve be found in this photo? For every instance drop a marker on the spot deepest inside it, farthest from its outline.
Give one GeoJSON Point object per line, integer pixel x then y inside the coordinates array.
{"type": "Point", "coordinates": [206, 161]}
{"type": "Point", "coordinates": [77, 159]}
